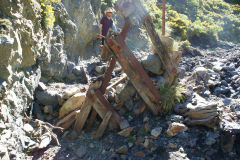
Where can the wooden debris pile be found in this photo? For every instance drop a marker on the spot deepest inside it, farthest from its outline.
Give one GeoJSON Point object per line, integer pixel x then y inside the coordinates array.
{"type": "Point", "coordinates": [115, 49]}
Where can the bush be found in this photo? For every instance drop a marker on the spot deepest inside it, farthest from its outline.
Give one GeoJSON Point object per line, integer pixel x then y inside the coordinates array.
{"type": "Point", "coordinates": [204, 21]}
{"type": "Point", "coordinates": [48, 17]}
{"type": "Point", "coordinates": [170, 95]}
{"type": "Point", "coordinates": [179, 23]}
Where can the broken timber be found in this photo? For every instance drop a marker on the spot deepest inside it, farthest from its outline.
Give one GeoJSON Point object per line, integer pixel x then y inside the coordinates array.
{"type": "Point", "coordinates": [134, 70]}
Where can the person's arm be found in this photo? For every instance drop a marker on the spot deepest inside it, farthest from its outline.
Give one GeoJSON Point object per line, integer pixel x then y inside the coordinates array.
{"type": "Point", "coordinates": [100, 30]}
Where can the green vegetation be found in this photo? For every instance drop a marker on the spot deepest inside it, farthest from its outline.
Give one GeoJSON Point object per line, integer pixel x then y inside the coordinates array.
{"type": "Point", "coordinates": [48, 13]}
{"type": "Point", "coordinates": [144, 131]}
{"type": "Point", "coordinates": [204, 21]}
{"type": "Point", "coordinates": [170, 95]}
{"type": "Point", "coordinates": [131, 139]}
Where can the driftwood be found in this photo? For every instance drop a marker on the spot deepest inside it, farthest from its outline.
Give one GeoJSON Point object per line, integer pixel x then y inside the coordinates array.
{"type": "Point", "coordinates": [103, 125]}
{"type": "Point", "coordinates": [201, 113]}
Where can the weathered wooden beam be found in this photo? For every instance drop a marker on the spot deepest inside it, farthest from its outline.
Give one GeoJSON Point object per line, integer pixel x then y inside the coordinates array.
{"type": "Point", "coordinates": [136, 73]}
{"type": "Point", "coordinates": [103, 125]}
{"type": "Point", "coordinates": [129, 8]}
{"type": "Point", "coordinates": [108, 106]}
{"type": "Point", "coordinates": [67, 121]}
{"type": "Point", "coordinates": [108, 74]}
{"type": "Point", "coordinates": [83, 115]}
{"type": "Point", "coordinates": [91, 119]}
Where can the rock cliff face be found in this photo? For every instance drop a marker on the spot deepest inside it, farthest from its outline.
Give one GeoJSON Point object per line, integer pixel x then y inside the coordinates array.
{"type": "Point", "coordinates": [22, 43]}
{"type": "Point", "coordinates": [29, 53]}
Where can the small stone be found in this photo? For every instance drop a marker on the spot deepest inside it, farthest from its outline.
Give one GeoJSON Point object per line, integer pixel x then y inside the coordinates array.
{"type": "Point", "coordinates": [130, 145]}
{"type": "Point", "coordinates": [28, 128]}
{"type": "Point", "coordinates": [125, 132]}
{"type": "Point", "coordinates": [176, 128]}
{"type": "Point", "coordinates": [2, 125]}
{"type": "Point", "coordinates": [139, 140]}
{"type": "Point", "coordinates": [139, 109]}
{"type": "Point", "coordinates": [156, 132]}
{"type": "Point", "coordinates": [181, 150]}
{"type": "Point", "coordinates": [172, 146]}
{"type": "Point", "coordinates": [99, 69]}
{"type": "Point", "coordinates": [122, 150]}
{"type": "Point", "coordinates": [48, 109]}
{"type": "Point", "coordinates": [42, 86]}
{"type": "Point", "coordinates": [147, 143]}
{"type": "Point", "coordinates": [146, 119]}
{"type": "Point", "coordinates": [81, 151]}
{"type": "Point", "coordinates": [124, 124]}
{"type": "Point", "coordinates": [91, 145]}
{"type": "Point", "coordinates": [139, 154]}
{"type": "Point", "coordinates": [235, 77]}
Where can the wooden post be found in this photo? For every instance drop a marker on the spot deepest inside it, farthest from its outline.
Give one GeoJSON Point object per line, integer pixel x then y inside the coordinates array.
{"type": "Point", "coordinates": [163, 17]}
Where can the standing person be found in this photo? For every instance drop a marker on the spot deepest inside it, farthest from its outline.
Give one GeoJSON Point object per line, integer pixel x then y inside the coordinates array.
{"type": "Point", "coordinates": [105, 24]}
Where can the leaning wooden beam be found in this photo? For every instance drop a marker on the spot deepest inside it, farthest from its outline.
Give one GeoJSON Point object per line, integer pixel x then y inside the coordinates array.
{"type": "Point", "coordinates": [136, 73]}
{"type": "Point", "coordinates": [108, 106]}
{"type": "Point", "coordinates": [67, 121]}
{"type": "Point", "coordinates": [107, 78]}
{"type": "Point", "coordinates": [83, 115]}
{"type": "Point", "coordinates": [103, 125]}
{"type": "Point", "coordinates": [134, 7]}
{"type": "Point", "coordinates": [91, 119]}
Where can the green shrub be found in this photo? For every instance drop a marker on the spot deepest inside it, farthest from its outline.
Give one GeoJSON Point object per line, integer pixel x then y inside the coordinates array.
{"type": "Point", "coordinates": [48, 17]}
{"type": "Point", "coordinates": [204, 21]}
{"type": "Point", "coordinates": [169, 95]}
{"type": "Point", "coordinates": [179, 23]}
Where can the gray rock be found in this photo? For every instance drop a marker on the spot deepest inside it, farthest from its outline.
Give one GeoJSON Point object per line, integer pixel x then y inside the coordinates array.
{"type": "Point", "coordinates": [124, 124]}
{"type": "Point", "coordinates": [211, 138]}
{"type": "Point", "coordinates": [48, 109]}
{"type": "Point", "coordinates": [28, 128]}
{"type": "Point", "coordinates": [42, 86]}
{"type": "Point", "coordinates": [122, 150]}
{"type": "Point", "coordinates": [153, 64]}
{"type": "Point", "coordinates": [81, 151]}
{"type": "Point", "coordinates": [176, 118]}
{"type": "Point", "coordinates": [47, 97]}
{"type": "Point", "coordinates": [181, 72]}
{"type": "Point", "coordinates": [202, 74]}
{"type": "Point", "coordinates": [156, 132]}
{"type": "Point", "coordinates": [126, 93]}
{"type": "Point", "coordinates": [222, 90]}
{"type": "Point", "coordinates": [37, 111]}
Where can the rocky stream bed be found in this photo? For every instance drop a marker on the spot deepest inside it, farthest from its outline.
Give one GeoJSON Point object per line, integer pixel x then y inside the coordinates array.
{"type": "Point", "coordinates": [211, 78]}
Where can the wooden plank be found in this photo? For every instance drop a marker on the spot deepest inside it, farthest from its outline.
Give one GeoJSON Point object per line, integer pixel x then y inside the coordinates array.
{"type": "Point", "coordinates": [91, 119]}
{"type": "Point", "coordinates": [83, 115]}
{"type": "Point", "coordinates": [108, 106]}
{"type": "Point", "coordinates": [67, 121]}
{"type": "Point", "coordinates": [136, 73]}
{"type": "Point", "coordinates": [103, 125]}
{"type": "Point", "coordinates": [108, 74]}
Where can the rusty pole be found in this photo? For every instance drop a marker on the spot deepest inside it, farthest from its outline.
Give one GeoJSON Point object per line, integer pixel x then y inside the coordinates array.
{"type": "Point", "coordinates": [163, 17]}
